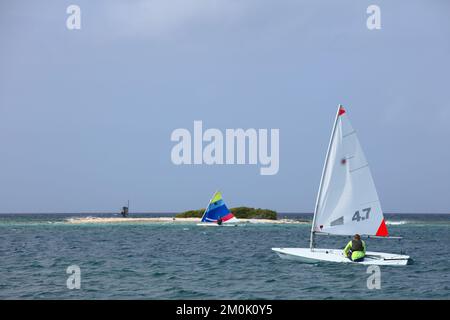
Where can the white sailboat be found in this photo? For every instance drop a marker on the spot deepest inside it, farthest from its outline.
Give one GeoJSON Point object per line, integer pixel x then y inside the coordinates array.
{"type": "Point", "coordinates": [347, 202]}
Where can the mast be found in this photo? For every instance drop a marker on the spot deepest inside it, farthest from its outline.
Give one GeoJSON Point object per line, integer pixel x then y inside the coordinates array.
{"type": "Point", "coordinates": [312, 237]}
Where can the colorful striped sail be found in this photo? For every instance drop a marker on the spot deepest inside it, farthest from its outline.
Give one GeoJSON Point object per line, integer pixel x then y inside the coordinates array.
{"type": "Point", "coordinates": [217, 210]}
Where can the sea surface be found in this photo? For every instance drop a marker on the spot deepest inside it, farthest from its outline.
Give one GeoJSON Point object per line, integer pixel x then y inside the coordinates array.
{"type": "Point", "coordinates": [185, 261]}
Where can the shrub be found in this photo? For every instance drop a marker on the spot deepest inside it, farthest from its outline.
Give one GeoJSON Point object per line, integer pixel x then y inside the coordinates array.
{"type": "Point", "coordinates": [239, 212]}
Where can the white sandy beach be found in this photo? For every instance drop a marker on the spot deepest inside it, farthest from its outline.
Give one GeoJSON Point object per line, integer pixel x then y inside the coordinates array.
{"type": "Point", "coordinates": [170, 220]}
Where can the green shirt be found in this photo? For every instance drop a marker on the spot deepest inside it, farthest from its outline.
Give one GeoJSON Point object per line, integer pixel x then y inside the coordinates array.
{"type": "Point", "coordinates": [355, 254]}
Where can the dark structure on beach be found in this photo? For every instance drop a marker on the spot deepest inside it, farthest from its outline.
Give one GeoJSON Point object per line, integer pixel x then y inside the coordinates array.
{"type": "Point", "coordinates": [124, 212]}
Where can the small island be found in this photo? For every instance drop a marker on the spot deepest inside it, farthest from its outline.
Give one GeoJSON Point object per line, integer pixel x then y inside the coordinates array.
{"type": "Point", "coordinates": [239, 212]}
{"type": "Point", "coordinates": [245, 214]}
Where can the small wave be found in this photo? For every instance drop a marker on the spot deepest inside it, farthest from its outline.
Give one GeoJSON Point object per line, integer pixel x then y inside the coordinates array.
{"type": "Point", "coordinates": [396, 223]}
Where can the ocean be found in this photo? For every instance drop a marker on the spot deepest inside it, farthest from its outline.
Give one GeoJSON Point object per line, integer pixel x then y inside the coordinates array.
{"type": "Point", "coordinates": [185, 261]}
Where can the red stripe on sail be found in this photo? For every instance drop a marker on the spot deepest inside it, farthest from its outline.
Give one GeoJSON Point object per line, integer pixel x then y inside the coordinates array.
{"type": "Point", "coordinates": [227, 217]}
{"type": "Point", "coordinates": [382, 230]}
{"type": "Point", "coordinates": [341, 110]}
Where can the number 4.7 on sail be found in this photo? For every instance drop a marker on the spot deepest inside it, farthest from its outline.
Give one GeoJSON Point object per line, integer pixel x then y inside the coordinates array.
{"type": "Point", "coordinates": [357, 217]}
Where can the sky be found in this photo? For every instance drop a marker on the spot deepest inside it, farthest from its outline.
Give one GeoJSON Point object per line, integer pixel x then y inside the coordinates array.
{"type": "Point", "coordinates": [86, 115]}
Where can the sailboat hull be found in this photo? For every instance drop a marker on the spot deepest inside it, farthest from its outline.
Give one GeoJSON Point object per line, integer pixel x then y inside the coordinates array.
{"type": "Point", "coordinates": [305, 255]}
{"type": "Point", "coordinates": [211, 224]}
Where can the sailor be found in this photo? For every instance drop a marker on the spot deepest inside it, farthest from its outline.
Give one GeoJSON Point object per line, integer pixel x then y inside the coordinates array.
{"type": "Point", "coordinates": [355, 250]}
{"type": "Point", "coordinates": [219, 221]}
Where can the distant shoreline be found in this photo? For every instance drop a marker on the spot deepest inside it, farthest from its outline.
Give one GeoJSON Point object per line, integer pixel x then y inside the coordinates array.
{"type": "Point", "coordinates": [89, 220]}
{"type": "Point", "coordinates": [166, 214]}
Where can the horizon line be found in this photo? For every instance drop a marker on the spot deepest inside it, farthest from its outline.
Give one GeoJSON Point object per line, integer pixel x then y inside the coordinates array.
{"type": "Point", "coordinates": [176, 212]}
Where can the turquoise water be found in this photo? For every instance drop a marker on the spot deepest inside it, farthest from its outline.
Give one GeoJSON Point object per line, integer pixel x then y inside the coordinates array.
{"type": "Point", "coordinates": [185, 261]}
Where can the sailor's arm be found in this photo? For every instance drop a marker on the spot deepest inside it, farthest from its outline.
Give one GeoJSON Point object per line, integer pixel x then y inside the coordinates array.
{"type": "Point", "coordinates": [347, 247]}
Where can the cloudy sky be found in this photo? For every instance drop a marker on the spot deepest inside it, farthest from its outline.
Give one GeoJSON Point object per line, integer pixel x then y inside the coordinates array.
{"type": "Point", "coordinates": [86, 115]}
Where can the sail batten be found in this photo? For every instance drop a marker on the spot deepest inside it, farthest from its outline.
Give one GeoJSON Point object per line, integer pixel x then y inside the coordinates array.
{"type": "Point", "coordinates": [347, 201]}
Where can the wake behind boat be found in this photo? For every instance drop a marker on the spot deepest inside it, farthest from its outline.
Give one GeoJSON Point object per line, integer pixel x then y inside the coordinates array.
{"type": "Point", "coordinates": [347, 202]}
{"type": "Point", "coordinates": [217, 213]}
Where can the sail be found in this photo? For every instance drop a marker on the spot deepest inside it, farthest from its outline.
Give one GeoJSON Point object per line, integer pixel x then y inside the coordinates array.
{"type": "Point", "coordinates": [218, 210]}
{"type": "Point", "coordinates": [347, 202]}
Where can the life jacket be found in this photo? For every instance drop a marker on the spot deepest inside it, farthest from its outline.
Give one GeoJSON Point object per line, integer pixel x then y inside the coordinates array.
{"type": "Point", "coordinates": [357, 245]}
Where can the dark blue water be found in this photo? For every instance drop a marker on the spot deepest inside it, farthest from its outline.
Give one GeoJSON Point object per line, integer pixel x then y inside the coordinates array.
{"type": "Point", "coordinates": [185, 261]}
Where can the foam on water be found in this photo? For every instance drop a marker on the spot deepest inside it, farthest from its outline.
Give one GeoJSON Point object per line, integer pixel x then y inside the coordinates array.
{"type": "Point", "coordinates": [396, 223]}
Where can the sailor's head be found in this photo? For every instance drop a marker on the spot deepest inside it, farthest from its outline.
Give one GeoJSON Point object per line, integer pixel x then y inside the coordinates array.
{"type": "Point", "coordinates": [357, 237]}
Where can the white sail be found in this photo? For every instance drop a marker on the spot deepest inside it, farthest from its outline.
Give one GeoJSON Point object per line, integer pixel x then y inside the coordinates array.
{"type": "Point", "coordinates": [347, 202]}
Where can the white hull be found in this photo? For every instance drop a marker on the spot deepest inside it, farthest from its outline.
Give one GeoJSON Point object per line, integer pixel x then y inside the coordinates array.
{"type": "Point", "coordinates": [336, 255]}
{"type": "Point", "coordinates": [212, 224]}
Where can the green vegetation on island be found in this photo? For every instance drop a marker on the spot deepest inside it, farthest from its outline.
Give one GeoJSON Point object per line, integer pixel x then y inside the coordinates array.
{"type": "Point", "coordinates": [239, 212]}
